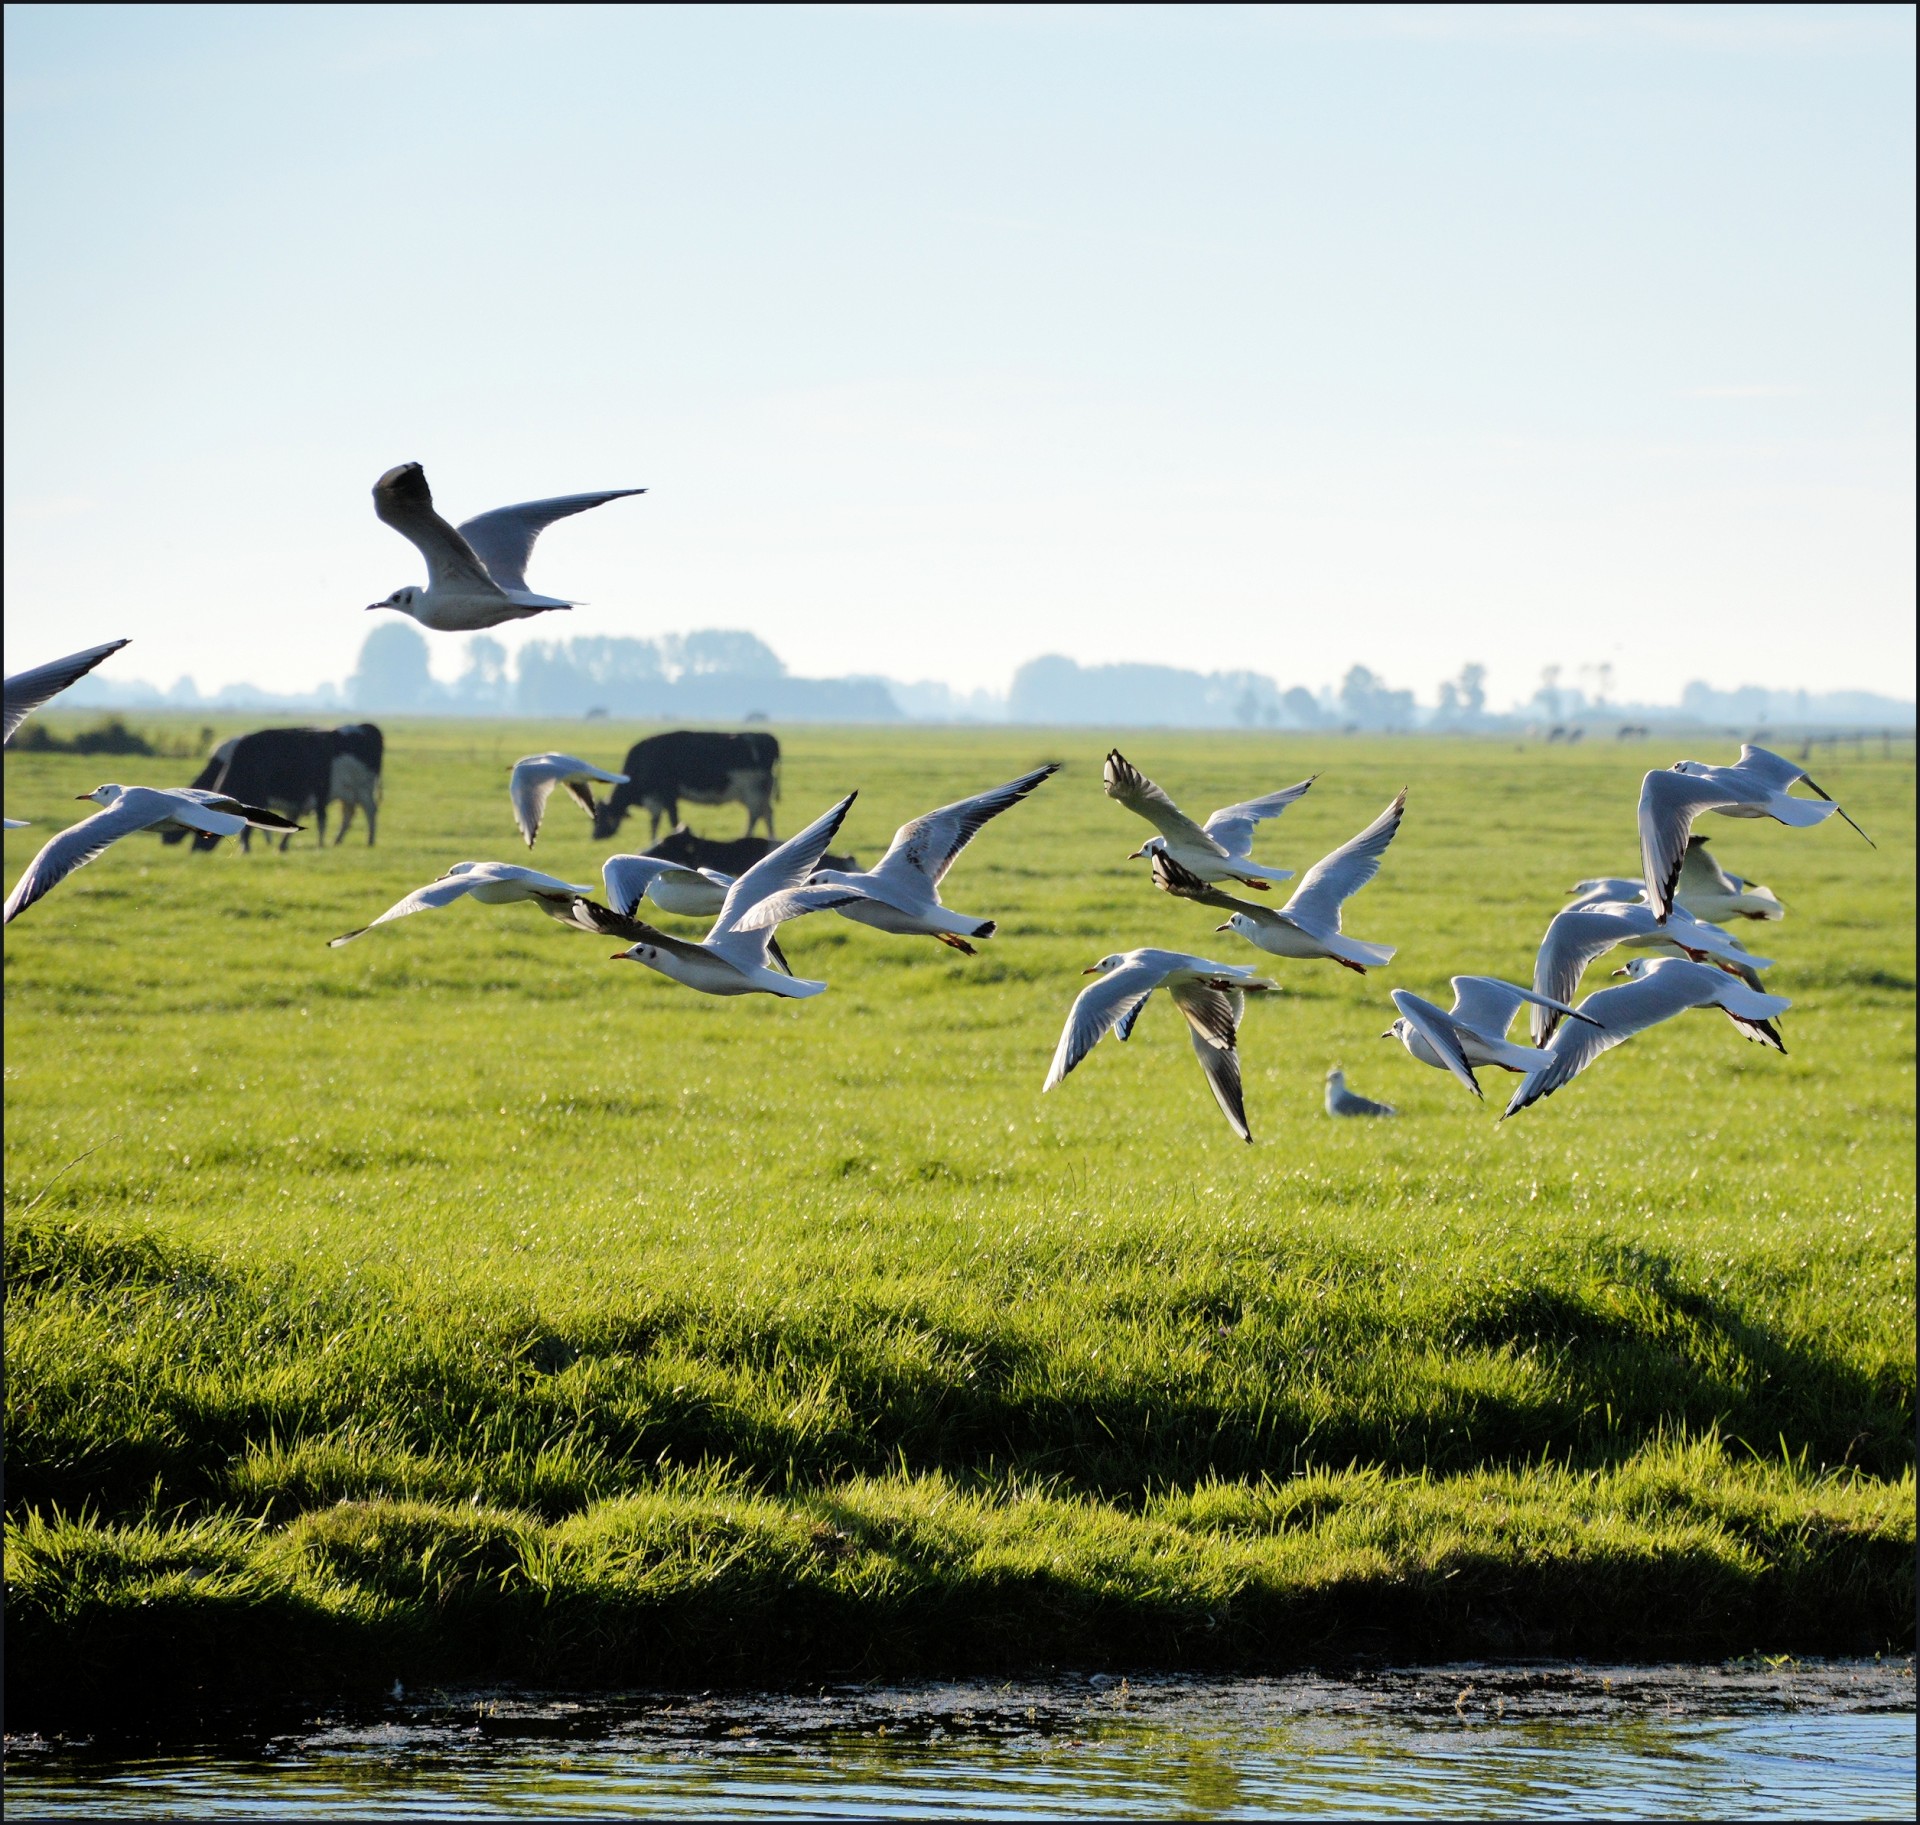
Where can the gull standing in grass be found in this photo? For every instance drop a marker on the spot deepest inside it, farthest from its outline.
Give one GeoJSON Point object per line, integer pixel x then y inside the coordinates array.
{"type": "Point", "coordinates": [491, 883]}
{"type": "Point", "coordinates": [1658, 989]}
{"type": "Point", "coordinates": [1211, 995]}
{"type": "Point", "coordinates": [125, 809]}
{"type": "Point", "coordinates": [1342, 1101]}
{"type": "Point", "coordinates": [1757, 785]}
{"type": "Point", "coordinates": [26, 691]}
{"type": "Point", "coordinates": [1473, 1032]}
{"type": "Point", "coordinates": [1588, 928]}
{"type": "Point", "coordinates": [730, 959]}
{"type": "Point", "coordinates": [1308, 926]}
{"type": "Point", "coordinates": [477, 572]}
{"type": "Point", "coordinates": [1219, 850]}
{"type": "Point", "coordinates": [901, 892]}
{"type": "Point", "coordinates": [535, 777]}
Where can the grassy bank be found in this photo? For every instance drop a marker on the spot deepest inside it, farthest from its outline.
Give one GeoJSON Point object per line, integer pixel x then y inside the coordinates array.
{"type": "Point", "coordinates": [463, 1302]}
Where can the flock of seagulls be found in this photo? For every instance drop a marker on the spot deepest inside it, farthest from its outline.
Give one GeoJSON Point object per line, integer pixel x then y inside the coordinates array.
{"type": "Point", "coordinates": [1671, 917]}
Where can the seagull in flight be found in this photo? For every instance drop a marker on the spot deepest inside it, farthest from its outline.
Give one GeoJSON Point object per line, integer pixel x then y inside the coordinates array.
{"type": "Point", "coordinates": [1308, 926]}
{"type": "Point", "coordinates": [731, 959]}
{"type": "Point", "coordinates": [1756, 785]}
{"type": "Point", "coordinates": [535, 777]}
{"type": "Point", "coordinates": [477, 572]}
{"type": "Point", "coordinates": [1211, 995]}
{"type": "Point", "coordinates": [491, 883]}
{"type": "Point", "coordinates": [1473, 1032]}
{"type": "Point", "coordinates": [1658, 988]}
{"type": "Point", "coordinates": [27, 691]}
{"type": "Point", "coordinates": [125, 809]}
{"type": "Point", "coordinates": [1708, 892]}
{"type": "Point", "coordinates": [901, 892]}
{"type": "Point", "coordinates": [1219, 850]}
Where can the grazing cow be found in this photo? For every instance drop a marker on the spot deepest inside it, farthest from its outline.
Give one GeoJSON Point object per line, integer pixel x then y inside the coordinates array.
{"type": "Point", "coordinates": [296, 771]}
{"type": "Point", "coordinates": [735, 857]}
{"type": "Point", "coordinates": [706, 768]}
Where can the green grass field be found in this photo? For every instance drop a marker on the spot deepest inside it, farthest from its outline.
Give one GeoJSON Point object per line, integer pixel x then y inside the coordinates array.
{"type": "Point", "coordinates": [463, 1303]}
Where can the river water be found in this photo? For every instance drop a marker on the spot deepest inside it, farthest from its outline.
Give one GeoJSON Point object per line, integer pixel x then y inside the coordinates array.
{"type": "Point", "coordinates": [1800, 1740]}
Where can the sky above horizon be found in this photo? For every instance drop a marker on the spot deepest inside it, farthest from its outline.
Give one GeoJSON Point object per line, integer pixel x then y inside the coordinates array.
{"type": "Point", "coordinates": [944, 337]}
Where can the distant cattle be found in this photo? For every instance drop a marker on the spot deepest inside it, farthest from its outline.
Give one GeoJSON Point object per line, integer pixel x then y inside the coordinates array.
{"type": "Point", "coordinates": [704, 768]}
{"type": "Point", "coordinates": [734, 858]}
{"type": "Point", "coordinates": [298, 772]}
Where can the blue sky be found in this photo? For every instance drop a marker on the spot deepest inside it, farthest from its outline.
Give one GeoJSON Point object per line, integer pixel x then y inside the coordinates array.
{"type": "Point", "coordinates": [948, 336]}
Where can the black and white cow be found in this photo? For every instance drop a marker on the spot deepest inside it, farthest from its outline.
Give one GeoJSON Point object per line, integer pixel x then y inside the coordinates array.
{"type": "Point", "coordinates": [734, 857]}
{"type": "Point", "coordinates": [692, 764]}
{"type": "Point", "coordinates": [298, 772]}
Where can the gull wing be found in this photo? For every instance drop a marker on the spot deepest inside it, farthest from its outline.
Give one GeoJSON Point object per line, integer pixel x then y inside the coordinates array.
{"type": "Point", "coordinates": [503, 539]}
{"type": "Point", "coordinates": [1669, 802]}
{"type": "Point", "coordinates": [442, 892]}
{"type": "Point", "coordinates": [27, 691]}
{"type": "Point", "coordinates": [778, 871]}
{"type": "Point", "coordinates": [1232, 825]}
{"type": "Point", "coordinates": [1487, 1005]}
{"type": "Point", "coordinates": [1438, 1030]}
{"type": "Point", "coordinates": [1118, 995]}
{"type": "Point", "coordinates": [797, 902]}
{"type": "Point", "coordinates": [1701, 873]}
{"type": "Point", "coordinates": [529, 787]}
{"type": "Point", "coordinates": [627, 878]}
{"type": "Point", "coordinates": [1572, 941]}
{"type": "Point", "coordinates": [928, 846]}
{"type": "Point", "coordinates": [1336, 878]}
{"type": "Point", "coordinates": [403, 501]}
{"type": "Point", "coordinates": [1614, 1015]}
{"type": "Point", "coordinates": [139, 808]}
{"type": "Point", "coordinates": [1126, 784]}
{"type": "Point", "coordinates": [1771, 769]}
{"type": "Point", "coordinates": [1213, 1022]}
{"type": "Point", "coordinates": [1184, 884]}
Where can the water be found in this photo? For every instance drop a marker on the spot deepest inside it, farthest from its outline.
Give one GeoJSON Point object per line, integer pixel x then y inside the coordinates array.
{"type": "Point", "coordinates": [1834, 1740]}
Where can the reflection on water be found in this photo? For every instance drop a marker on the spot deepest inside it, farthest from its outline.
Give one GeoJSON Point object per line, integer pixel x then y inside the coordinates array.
{"type": "Point", "coordinates": [1829, 1741]}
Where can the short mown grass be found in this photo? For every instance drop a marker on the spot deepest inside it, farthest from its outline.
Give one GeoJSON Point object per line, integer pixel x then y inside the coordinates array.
{"type": "Point", "coordinates": [461, 1302]}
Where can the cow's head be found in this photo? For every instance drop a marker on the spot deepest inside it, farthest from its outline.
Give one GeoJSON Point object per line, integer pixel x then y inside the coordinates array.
{"type": "Point", "coordinates": [607, 817]}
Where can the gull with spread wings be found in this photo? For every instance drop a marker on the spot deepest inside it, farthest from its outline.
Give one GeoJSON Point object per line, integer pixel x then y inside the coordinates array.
{"type": "Point", "coordinates": [477, 571]}
{"type": "Point", "coordinates": [492, 884]}
{"type": "Point", "coordinates": [900, 893]}
{"type": "Point", "coordinates": [1219, 850]}
{"type": "Point", "coordinates": [534, 778]}
{"type": "Point", "coordinates": [1308, 926]}
{"type": "Point", "coordinates": [27, 691]}
{"type": "Point", "coordinates": [1473, 1032]}
{"type": "Point", "coordinates": [1211, 995]}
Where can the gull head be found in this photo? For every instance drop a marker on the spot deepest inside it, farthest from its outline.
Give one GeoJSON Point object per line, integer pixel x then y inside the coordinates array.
{"type": "Point", "coordinates": [103, 795]}
{"type": "Point", "coordinates": [403, 599]}
{"type": "Point", "coordinates": [1238, 922]}
{"type": "Point", "coordinates": [1636, 968]}
{"type": "Point", "coordinates": [1152, 846]}
{"type": "Point", "coordinates": [1337, 1076]}
{"type": "Point", "coordinates": [636, 953]}
{"type": "Point", "coordinates": [1104, 965]}
{"type": "Point", "coordinates": [1397, 1031]}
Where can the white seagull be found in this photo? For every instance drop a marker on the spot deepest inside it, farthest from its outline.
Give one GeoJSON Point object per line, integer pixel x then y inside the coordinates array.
{"type": "Point", "coordinates": [1308, 926]}
{"type": "Point", "coordinates": [1756, 785]}
{"type": "Point", "coordinates": [535, 777]}
{"type": "Point", "coordinates": [1660, 987]}
{"type": "Point", "coordinates": [1219, 850]}
{"type": "Point", "coordinates": [1342, 1101]}
{"type": "Point", "coordinates": [1473, 1032]}
{"type": "Point", "coordinates": [731, 960]}
{"type": "Point", "coordinates": [27, 691]}
{"type": "Point", "coordinates": [1211, 995]}
{"type": "Point", "coordinates": [477, 573]}
{"type": "Point", "coordinates": [1589, 928]}
{"type": "Point", "coordinates": [491, 883]}
{"type": "Point", "coordinates": [901, 892]}
{"type": "Point", "coordinates": [695, 893]}
{"type": "Point", "coordinates": [125, 809]}
{"type": "Point", "coordinates": [1708, 892]}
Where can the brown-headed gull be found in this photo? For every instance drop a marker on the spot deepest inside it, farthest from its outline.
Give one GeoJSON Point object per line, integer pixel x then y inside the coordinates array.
{"type": "Point", "coordinates": [1211, 995]}
{"type": "Point", "coordinates": [491, 883]}
{"type": "Point", "coordinates": [1589, 928]}
{"type": "Point", "coordinates": [1757, 785]}
{"type": "Point", "coordinates": [1658, 989]}
{"type": "Point", "coordinates": [1219, 850]}
{"type": "Point", "coordinates": [1344, 1101]}
{"type": "Point", "coordinates": [27, 691]}
{"type": "Point", "coordinates": [534, 778]}
{"type": "Point", "coordinates": [125, 809]}
{"type": "Point", "coordinates": [901, 892]}
{"type": "Point", "coordinates": [477, 572]}
{"type": "Point", "coordinates": [1473, 1032]}
{"type": "Point", "coordinates": [730, 959]}
{"type": "Point", "coordinates": [1308, 926]}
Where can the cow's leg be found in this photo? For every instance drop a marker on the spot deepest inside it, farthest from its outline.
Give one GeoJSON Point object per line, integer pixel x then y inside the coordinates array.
{"type": "Point", "coordinates": [346, 818]}
{"type": "Point", "coordinates": [246, 839]}
{"type": "Point", "coordinates": [372, 807]}
{"type": "Point", "coordinates": [323, 823]}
